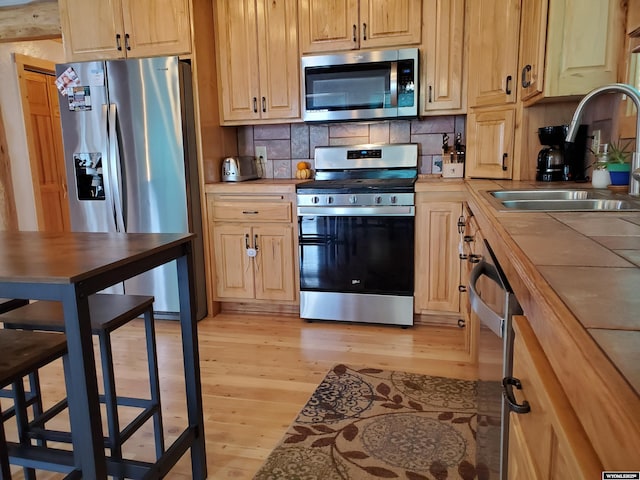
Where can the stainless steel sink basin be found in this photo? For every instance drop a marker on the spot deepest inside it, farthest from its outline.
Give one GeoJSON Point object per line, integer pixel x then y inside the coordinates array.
{"type": "Point", "coordinates": [546, 194]}
{"type": "Point", "coordinates": [588, 204]}
{"type": "Point", "coordinates": [559, 200]}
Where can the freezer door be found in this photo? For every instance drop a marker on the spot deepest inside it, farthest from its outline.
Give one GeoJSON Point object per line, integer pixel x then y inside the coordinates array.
{"type": "Point", "coordinates": [149, 126]}
{"type": "Point", "coordinates": [89, 170]}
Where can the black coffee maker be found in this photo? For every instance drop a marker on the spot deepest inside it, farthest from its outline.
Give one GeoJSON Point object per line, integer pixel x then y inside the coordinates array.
{"type": "Point", "coordinates": [559, 160]}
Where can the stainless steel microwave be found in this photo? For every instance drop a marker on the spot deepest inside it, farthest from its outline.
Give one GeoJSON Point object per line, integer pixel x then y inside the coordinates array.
{"type": "Point", "coordinates": [360, 85]}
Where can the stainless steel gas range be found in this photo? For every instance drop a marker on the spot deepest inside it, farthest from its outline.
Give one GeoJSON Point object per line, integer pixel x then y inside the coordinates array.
{"type": "Point", "coordinates": [356, 234]}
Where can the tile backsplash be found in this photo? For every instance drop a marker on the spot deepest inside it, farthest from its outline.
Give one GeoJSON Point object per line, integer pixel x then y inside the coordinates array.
{"type": "Point", "coordinates": [287, 144]}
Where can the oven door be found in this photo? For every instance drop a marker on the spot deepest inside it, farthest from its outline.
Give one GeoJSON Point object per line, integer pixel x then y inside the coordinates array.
{"type": "Point", "coordinates": [493, 304]}
{"type": "Point", "coordinates": [357, 263]}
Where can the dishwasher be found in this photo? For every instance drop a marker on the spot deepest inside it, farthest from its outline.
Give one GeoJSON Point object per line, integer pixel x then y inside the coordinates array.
{"type": "Point", "coordinates": [493, 304]}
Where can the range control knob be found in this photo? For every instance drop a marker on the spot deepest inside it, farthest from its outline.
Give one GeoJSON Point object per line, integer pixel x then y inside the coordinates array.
{"type": "Point", "coordinates": [353, 199]}
{"type": "Point", "coordinates": [377, 200]}
{"type": "Point", "coordinates": [393, 199]}
{"type": "Point", "coordinates": [329, 200]}
{"type": "Point", "coordinates": [315, 200]}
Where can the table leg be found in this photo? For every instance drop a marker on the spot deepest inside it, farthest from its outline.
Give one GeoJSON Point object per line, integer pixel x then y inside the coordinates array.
{"type": "Point", "coordinates": [84, 406]}
{"type": "Point", "coordinates": [188, 324]}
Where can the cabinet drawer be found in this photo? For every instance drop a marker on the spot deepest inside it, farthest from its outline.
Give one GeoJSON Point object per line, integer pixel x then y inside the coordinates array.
{"type": "Point", "coordinates": [252, 212]}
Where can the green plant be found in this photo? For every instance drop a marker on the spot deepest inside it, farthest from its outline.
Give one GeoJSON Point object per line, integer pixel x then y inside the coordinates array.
{"type": "Point", "coordinates": [615, 155]}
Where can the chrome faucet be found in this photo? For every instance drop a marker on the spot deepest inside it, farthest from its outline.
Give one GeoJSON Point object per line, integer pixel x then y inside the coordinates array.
{"type": "Point", "coordinates": [633, 94]}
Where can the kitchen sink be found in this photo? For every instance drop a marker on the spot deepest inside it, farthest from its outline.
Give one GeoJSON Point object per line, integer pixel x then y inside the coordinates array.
{"type": "Point", "coordinates": [546, 194]}
{"type": "Point", "coordinates": [563, 200]}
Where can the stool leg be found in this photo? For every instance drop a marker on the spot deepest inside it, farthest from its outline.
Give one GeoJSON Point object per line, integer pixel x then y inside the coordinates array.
{"type": "Point", "coordinates": [111, 400]}
{"type": "Point", "coordinates": [22, 419]}
{"type": "Point", "coordinates": [5, 470]}
{"type": "Point", "coordinates": [36, 393]}
{"type": "Point", "coordinates": [154, 383]}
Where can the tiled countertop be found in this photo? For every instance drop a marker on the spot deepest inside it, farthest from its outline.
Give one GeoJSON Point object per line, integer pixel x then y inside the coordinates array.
{"type": "Point", "coordinates": [577, 277]}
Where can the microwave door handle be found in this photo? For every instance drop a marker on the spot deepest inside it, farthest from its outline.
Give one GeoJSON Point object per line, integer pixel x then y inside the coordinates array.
{"type": "Point", "coordinates": [393, 84]}
{"type": "Point", "coordinates": [487, 316]}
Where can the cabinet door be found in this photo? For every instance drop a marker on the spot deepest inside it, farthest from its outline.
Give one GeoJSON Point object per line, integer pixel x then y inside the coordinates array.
{"type": "Point", "coordinates": [156, 27]}
{"type": "Point", "coordinates": [92, 30]}
{"type": "Point", "coordinates": [234, 268]}
{"type": "Point", "coordinates": [490, 144]}
{"type": "Point", "coordinates": [533, 40]}
{"type": "Point", "coordinates": [437, 261]}
{"type": "Point", "coordinates": [274, 264]}
{"type": "Point", "coordinates": [278, 59]}
{"type": "Point", "coordinates": [442, 58]}
{"type": "Point", "coordinates": [493, 51]}
{"type": "Point", "coordinates": [328, 25]}
{"type": "Point", "coordinates": [237, 59]}
{"type": "Point", "coordinates": [583, 46]}
{"type": "Point", "coordinates": [549, 441]}
{"type": "Point", "coordinates": [385, 24]}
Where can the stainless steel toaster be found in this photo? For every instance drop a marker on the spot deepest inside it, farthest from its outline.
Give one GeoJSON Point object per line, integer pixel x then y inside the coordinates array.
{"type": "Point", "coordinates": [239, 169]}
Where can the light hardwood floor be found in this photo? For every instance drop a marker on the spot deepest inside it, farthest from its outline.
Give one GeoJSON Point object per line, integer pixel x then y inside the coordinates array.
{"type": "Point", "coordinates": [257, 372]}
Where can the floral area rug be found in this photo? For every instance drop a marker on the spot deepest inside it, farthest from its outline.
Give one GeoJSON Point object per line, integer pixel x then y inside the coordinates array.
{"type": "Point", "coordinates": [369, 424]}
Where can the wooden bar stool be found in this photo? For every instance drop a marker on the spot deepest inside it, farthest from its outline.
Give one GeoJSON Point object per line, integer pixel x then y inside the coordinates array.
{"type": "Point", "coordinates": [23, 352]}
{"type": "Point", "coordinates": [108, 312]}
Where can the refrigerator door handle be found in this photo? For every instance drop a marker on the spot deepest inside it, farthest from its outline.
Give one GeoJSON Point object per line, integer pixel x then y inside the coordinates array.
{"type": "Point", "coordinates": [115, 171]}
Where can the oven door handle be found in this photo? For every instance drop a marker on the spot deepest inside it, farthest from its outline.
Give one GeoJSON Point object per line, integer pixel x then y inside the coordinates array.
{"type": "Point", "coordinates": [381, 211]}
{"type": "Point", "coordinates": [487, 316]}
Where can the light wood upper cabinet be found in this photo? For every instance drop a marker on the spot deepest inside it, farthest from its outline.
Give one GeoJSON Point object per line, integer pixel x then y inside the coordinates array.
{"type": "Point", "coordinates": [549, 441]}
{"type": "Point", "coordinates": [110, 29]}
{"type": "Point", "coordinates": [493, 51]}
{"type": "Point", "coordinates": [490, 137]}
{"type": "Point", "coordinates": [258, 60]}
{"type": "Point", "coordinates": [442, 60]}
{"type": "Point", "coordinates": [533, 34]}
{"type": "Point", "coordinates": [568, 48]}
{"type": "Point", "coordinates": [335, 25]}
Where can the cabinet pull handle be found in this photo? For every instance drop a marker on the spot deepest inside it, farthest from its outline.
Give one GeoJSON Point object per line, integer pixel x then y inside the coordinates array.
{"type": "Point", "coordinates": [526, 83]}
{"type": "Point", "coordinates": [462, 288]}
{"type": "Point", "coordinates": [250, 212]}
{"type": "Point", "coordinates": [508, 85]}
{"type": "Point", "coordinates": [118, 42]}
{"type": "Point", "coordinates": [474, 258]}
{"type": "Point", "coordinates": [468, 238]}
{"type": "Point", "coordinates": [504, 161]}
{"type": "Point", "coordinates": [507, 390]}
{"type": "Point", "coordinates": [126, 41]}
{"type": "Point", "coordinates": [255, 242]}
{"type": "Point", "coordinates": [246, 241]}
{"type": "Point", "coordinates": [461, 224]}
{"type": "Point", "coordinates": [364, 31]}
{"type": "Point", "coordinates": [264, 104]}
{"type": "Point", "coordinates": [462, 323]}
{"type": "Point", "coordinates": [463, 256]}
{"type": "Point", "coordinates": [355, 30]}
{"type": "Point", "coordinates": [430, 100]}
{"type": "Point", "coordinates": [255, 104]}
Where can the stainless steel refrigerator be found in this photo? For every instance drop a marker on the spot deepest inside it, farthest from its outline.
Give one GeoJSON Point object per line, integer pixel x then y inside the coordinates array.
{"type": "Point", "coordinates": [130, 156]}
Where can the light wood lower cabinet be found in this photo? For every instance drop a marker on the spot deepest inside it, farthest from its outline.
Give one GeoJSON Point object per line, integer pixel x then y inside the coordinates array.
{"type": "Point", "coordinates": [549, 441]}
{"type": "Point", "coordinates": [490, 143]}
{"type": "Point", "coordinates": [436, 256]}
{"type": "Point", "coordinates": [253, 247]}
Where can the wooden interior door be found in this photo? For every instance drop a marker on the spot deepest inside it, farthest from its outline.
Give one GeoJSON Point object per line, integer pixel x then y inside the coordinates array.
{"type": "Point", "coordinates": [8, 215]}
{"type": "Point", "coordinates": [44, 136]}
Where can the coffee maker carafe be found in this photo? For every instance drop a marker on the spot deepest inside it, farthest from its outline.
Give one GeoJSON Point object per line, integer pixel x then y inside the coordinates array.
{"type": "Point", "coordinates": [552, 166]}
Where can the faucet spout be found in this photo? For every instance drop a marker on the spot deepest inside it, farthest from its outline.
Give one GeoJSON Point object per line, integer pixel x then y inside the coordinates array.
{"type": "Point", "coordinates": [634, 95]}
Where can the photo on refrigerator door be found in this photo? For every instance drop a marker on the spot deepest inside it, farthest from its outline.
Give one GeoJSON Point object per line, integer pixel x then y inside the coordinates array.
{"type": "Point", "coordinates": [89, 180]}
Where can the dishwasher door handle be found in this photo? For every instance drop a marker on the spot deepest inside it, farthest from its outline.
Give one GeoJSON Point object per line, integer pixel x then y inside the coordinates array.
{"type": "Point", "coordinates": [487, 316]}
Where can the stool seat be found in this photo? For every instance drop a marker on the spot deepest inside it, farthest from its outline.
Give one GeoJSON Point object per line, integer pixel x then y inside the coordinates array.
{"type": "Point", "coordinates": [23, 352]}
{"type": "Point", "coordinates": [108, 312]}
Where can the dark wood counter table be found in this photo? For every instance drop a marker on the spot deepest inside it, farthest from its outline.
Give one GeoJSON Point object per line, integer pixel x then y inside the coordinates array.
{"type": "Point", "coordinates": [68, 267]}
